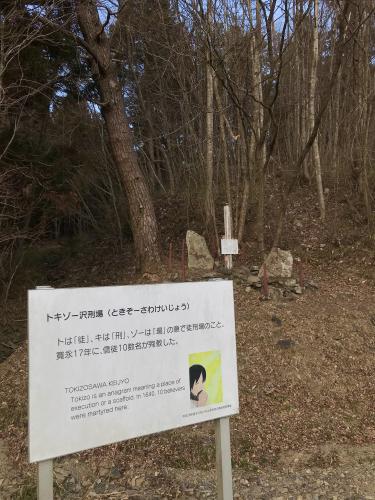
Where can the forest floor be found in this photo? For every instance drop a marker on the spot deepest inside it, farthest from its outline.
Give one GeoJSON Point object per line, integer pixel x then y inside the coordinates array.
{"type": "Point", "coordinates": [306, 427]}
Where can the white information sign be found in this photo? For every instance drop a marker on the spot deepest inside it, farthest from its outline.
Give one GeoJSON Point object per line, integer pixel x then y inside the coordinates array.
{"type": "Point", "coordinates": [112, 363]}
{"type": "Point", "coordinates": [229, 246]}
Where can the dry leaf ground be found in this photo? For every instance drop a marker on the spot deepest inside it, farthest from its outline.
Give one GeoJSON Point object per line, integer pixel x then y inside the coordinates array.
{"type": "Point", "coordinates": [306, 427]}
{"type": "Point", "coordinates": [306, 411]}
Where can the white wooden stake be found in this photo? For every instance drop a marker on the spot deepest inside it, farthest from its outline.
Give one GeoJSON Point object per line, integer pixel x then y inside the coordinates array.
{"type": "Point", "coordinates": [228, 234]}
{"type": "Point", "coordinates": [223, 460]}
{"type": "Point", "coordinates": [45, 468]}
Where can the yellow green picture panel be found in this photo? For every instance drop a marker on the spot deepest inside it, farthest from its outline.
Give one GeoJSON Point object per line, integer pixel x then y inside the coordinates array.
{"type": "Point", "coordinates": [206, 385]}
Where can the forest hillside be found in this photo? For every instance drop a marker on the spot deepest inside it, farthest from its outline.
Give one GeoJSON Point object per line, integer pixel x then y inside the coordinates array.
{"type": "Point", "coordinates": [126, 123]}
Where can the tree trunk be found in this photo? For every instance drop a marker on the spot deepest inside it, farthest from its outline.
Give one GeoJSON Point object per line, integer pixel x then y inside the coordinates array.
{"type": "Point", "coordinates": [259, 157]}
{"type": "Point", "coordinates": [315, 145]}
{"type": "Point", "coordinates": [338, 58]}
{"type": "Point", "coordinates": [224, 144]}
{"type": "Point", "coordinates": [245, 155]}
{"type": "Point", "coordinates": [209, 196]}
{"type": "Point", "coordinates": [303, 86]}
{"type": "Point", "coordinates": [365, 122]}
{"type": "Point", "coordinates": [142, 215]}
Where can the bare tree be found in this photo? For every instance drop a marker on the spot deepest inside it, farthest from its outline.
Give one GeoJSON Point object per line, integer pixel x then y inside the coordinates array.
{"type": "Point", "coordinates": [98, 44]}
{"type": "Point", "coordinates": [312, 92]}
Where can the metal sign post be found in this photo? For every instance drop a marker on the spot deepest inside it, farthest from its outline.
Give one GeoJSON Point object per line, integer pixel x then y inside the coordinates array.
{"type": "Point", "coordinates": [45, 480]}
{"type": "Point", "coordinates": [223, 460]}
{"type": "Point", "coordinates": [45, 468]}
{"type": "Point", "coordinates": [222, 428]}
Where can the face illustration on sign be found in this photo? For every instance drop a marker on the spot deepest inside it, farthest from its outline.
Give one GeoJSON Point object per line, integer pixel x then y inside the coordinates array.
{"type": "Point", "coordinates": [198, 394]}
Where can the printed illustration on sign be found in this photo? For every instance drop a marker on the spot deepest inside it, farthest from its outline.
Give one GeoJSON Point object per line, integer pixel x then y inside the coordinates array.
{"type": "Point", "coordinates": [206, 386]}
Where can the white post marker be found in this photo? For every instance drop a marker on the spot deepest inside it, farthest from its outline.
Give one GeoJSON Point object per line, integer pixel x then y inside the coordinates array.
{"type": "Point", "coordinates": [229, 246]}
{"type": "Point", "coordinates": [45, 467]}
{"type": "Point", "coordinates": [228, 233]}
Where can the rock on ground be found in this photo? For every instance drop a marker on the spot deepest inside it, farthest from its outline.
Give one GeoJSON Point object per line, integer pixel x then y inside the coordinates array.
{"type": "Point", "coordinates": [279, 264]}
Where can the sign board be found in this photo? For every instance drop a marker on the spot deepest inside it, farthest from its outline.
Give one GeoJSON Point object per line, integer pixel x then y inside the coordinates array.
{"type": "Point", "coordinates": [112, 363]}
{"type": "Point", "coordinates": [229, 246]}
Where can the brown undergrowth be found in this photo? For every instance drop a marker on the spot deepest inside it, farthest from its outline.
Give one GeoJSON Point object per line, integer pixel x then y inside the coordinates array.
{"type": "Point", "coordinates": [319, 391]}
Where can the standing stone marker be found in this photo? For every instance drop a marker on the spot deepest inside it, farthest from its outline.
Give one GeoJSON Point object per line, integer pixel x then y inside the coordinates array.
{"type": "Point", "coordinates": [279, 264]}
{"type": "Point", "coordinates": [199, 257]}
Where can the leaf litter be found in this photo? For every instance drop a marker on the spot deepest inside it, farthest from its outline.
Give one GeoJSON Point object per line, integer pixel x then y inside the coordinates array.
{"type": "Point", "coordinates": [306, 383]}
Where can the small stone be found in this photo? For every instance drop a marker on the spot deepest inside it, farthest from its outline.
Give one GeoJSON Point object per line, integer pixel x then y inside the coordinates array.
{"type": "Point", "coordinates": [61, 473]}
{"type": "Point", "coordinates": [244, 482]}
{"type": "Point", "coordinates": [288, 296]}
{"type": "Point", "coordinates": [104, 471]}
{"type": "Point", "coordinates": [253, 280]}
{"type": "Point", "coordinates": [248, 289]}
{"type": "Point", "coordinates": [151, 277]}
{"type": "Point", "coordinates": [115, 473]}
{"type": "Point", "coordinates": [312, 284]}
{"type": "Point", "coordinates": [297, 289]}
{"type": "Point", "coordinates": [72, 484]}
{"type": "Point", "coordinates": [263, 298]}
{"type": "Point", "coordinates": [285, 343]}
{"type": "Point", "coordinates": [212, 276]}
{"type": "Point", "coordinates": [241, 272]}
{"type": "Point", "coordinates": [274, 293]}
{"type": "Point", "coordinates": [276, 320]}
{"type": "Point", "coordinates": [137, 481]}
{"type": "Point", "coordinates": [269, 388]}
{"type": "Point", "coordinates": [290, 282]}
